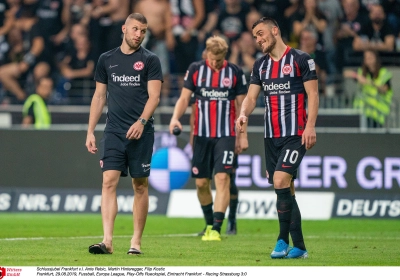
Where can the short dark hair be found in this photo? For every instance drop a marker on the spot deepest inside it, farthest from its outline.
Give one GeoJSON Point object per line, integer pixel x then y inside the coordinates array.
{"type": "Point", "coordinates": [139, 17]}
{"type": "Point", "coordinates": [265, 20]}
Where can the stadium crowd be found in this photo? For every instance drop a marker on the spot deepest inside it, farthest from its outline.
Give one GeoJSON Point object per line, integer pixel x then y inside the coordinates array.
{"type": "Point", "coordinates": [62, 39]}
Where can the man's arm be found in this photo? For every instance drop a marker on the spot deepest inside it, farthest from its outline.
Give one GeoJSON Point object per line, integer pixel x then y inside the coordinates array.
{"type": "Point", "coordinates": [96, 109]}
{"type": "Point", "coordinates": [309, 137]}
{"type": "Point", "coordinates": [180, 108]}
{"type": "Point", "coordinates": [154, 89]}
{"type": "Point", "coordinates": [248, 105]}
{"type": "Point", "coordinates": [362, 44]}
{"type": "Point", "coordinates": [242, 142]}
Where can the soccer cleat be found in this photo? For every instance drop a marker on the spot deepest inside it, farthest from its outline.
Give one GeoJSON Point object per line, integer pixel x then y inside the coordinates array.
{"type": "Point", "coordinates": [206, 233]}
{"type": "Point", "coordinates": [211, 235]}
{"type": "Point", "coordinates": [214, 236]}
{"type": "Point", "coordinates": [231, 228]}
{"type": "Point", "coordinates": [297, 253]}
{"type": "Point", "coordinates": [281, 250]}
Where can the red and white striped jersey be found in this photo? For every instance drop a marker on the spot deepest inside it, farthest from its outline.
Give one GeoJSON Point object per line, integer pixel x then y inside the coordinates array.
{"type": "Point", "coordinates": [215, 94]}
{"type": "Point", "coordinates": [284, 93]}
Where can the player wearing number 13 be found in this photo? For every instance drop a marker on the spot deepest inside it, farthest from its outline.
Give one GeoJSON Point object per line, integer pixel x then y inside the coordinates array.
{"type": "Point", "coordinates": [288, 78]}
{"type": "Point", "coordinates": [219, 87]}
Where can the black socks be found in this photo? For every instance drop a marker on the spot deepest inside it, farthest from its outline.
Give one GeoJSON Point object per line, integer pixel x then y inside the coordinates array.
{"type": "Point", "coordinates": [218, 220]}
{"type": "Point", "coordinates": [208, 213]}
{"type": "Point", "coordinates": [295, 227]}
{"type": "Point", "coordinates": [284, 206]}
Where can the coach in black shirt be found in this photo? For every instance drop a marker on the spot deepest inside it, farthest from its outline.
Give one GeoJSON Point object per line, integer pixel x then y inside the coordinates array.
{"type": "Point", "coordinates": [129, 79]}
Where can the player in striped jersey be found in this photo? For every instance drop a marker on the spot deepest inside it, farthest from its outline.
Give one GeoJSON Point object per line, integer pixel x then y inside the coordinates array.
{"type": "Point", "coordinates": [219, 88]}
{"type": "Point", "coordinates": [289, 81]}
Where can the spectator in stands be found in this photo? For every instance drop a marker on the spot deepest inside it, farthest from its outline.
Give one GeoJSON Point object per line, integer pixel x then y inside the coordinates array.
{"type": "Point", "coordinates": [251, 18]}
{"type": "Point", "coordinates": [232, 19]}
{"type": "Point", "coordinates": [392, 11]}
{"type": "Point", "coordinates": [274, 9]}
{"type": "Point", "coordinates": [185, 22]}
{"type": "Point", "coordinates": [308, 44]}
{"type": "Point", "coordinates": [76, 30]}
{"type": "Point", "coordinates": [159, 38]}
{"type": "Point", "coordinates": [54, 25]}
{"type": "Point", "coordinates": [289, 14]}
{"type": "Point", "coordinates": [105, 24]}
{"type": "Point", "coordinates": [13, 47]}
{"type": "Point", "coordinates": [350, 25]}
{"type": "Point", "coordinates": [375, 96]}
{"type": "Point", "coordinates": [376, 35]}
{"type": "Point", "coordinates": [332, 12]}
{"type": "Point", "coordinates": [42, 69]}
{"type": "Point", "coordinates": [8, 13]}
{"type": "Point", "coordinates": [244, 53]}
{"type": "Point", "coordinates": [79, 11]}
{"type": "Point", "coordinates": [310, 16]}
{"type": "Point", "coordinates": [16, 72]}
{"type": "Point", "coordinates": [211, 11]}
{"type": "Point", "coordinates": [35, 111]}
{"type": "Point", "coordinates": [187, 16]}
{"type": "Point", "coordinates": [76, 68]}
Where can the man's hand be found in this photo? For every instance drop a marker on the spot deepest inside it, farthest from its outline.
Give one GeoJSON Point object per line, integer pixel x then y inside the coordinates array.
{"type": "Point", "coordinates": [91, 143]}
{"type": "Point", "coordinates": [309, 137]}
{"type": "Point", "coordinates": [240, 123]}
{"type": "Point", "coordinates": [135, 131]}
{"type": "Point", "coordinates": [173, 124]}
{"type": "Point", "coordinates": [241, 144]}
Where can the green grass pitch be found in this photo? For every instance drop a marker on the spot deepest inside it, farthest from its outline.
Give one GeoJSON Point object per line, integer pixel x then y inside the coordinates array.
{"type": "Point", "coordinates": [40, 239]}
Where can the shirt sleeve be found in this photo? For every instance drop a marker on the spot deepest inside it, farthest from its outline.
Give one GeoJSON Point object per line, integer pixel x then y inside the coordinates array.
{"type": "Point", "coordinates": [101, 73]}
{"type": "Point", "coordinates": [189, 80]}
{"type": "Point", "coordinates": [307, 67]}
{"type": "Point", "coordinates": [154, 69]}
{"type": "Point", "coordinates": [255, 74]}
{"type": "Point", "coordinates": [241, 83]}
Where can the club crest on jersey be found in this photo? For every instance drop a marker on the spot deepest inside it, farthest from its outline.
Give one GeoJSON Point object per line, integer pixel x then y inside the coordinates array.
{"type": "Point", "coordinates": [287, 69]}
{"type": "Point", "coordinates": [226, 82]}
{"type": "Point", "coordinates": [138, 66]}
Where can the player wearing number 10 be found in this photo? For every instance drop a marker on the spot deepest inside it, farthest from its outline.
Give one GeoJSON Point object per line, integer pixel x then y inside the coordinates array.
{"type": "Point", "coordinates": [219, 88]}
{"type": "Point", "coordinates": [288, 78]}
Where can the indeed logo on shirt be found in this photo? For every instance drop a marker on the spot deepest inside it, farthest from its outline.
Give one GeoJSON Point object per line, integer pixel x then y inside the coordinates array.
{"type": "Point", "coordinates": [273, 86]}
{"type": "Point", "coordinates": [126, 80]}
{"type": "Point", "coordinates": [214, 94]}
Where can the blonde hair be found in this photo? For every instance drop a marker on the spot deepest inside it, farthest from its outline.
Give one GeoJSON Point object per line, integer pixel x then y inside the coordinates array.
{"type": "Point", "coordinates": [216, 45]}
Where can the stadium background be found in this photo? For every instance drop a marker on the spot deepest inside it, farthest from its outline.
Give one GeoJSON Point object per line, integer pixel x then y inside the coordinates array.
{"type": "Point", "coordinates": [349, 173]}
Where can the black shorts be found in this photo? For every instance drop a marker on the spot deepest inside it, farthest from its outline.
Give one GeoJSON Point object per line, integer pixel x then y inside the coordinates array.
{"type": "Point", "coordinates": [212, 154]}
{"type": "Point", "coordinates": [235, 162]}
{"type": "Point", "coordinates": [283, 154]}
{"type": "Point", "coordinates": [119, 153]}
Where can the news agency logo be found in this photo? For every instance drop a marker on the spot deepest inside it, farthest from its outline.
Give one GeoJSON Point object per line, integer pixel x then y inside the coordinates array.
{"type": "Point", "coordinates": [170, 165]}
{"type": "Point", "coordinates": [2, 272]}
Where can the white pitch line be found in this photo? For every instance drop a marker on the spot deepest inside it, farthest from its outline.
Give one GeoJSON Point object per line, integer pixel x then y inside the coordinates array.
{"type": "Point", "coordinates": [192, 235]}
{"type": "Point", "coordinates": [90, 237]}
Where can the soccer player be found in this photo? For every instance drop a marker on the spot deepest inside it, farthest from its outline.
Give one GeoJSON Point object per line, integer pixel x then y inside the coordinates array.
{"type": "Point", "coordinates": [288, 78]}
{"type": "Point", "coordinates": [231, 228]}
{"type": "Point", "coordinates": [219, 88]}
{"type": "Point", "coordinates": [129, 79]}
